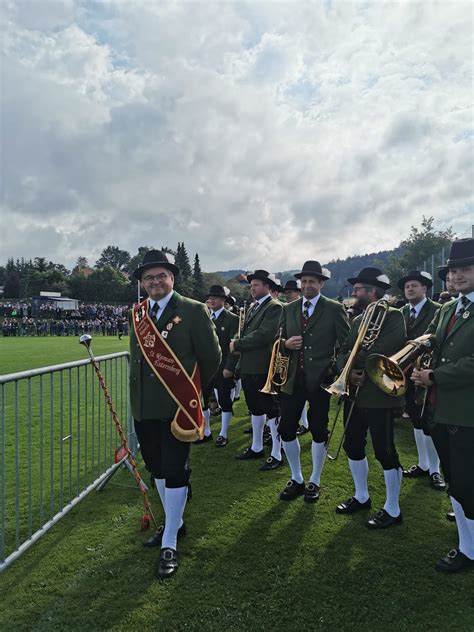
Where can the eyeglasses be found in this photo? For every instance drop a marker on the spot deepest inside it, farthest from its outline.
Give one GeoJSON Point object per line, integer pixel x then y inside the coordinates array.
{"type": "Point", "coordinates": [155, 277]}
{"type": "Point", "coordinates": [361, 287]}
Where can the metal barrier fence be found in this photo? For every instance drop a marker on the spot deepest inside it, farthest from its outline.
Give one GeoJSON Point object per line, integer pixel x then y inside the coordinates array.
{"type": "Point", "coordinates": [57, 444]}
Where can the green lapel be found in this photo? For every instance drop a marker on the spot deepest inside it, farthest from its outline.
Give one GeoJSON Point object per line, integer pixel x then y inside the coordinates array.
{"type": "Point", "coordinates": [169, 310]}
{"type": "Point", "coordinates": [317, 313]}
{"type": "Point", "coordinates": [297, 311]}
{"type": "Point", "coordinates": [445, 320]}
{"type": "Point", "coordinates": [260, 310]}
{"type": "Point", "coordinates": [461, 320]}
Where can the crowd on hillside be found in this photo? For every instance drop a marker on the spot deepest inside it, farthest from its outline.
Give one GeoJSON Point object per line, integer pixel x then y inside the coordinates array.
{"type": "Point", "coordinates": [98, 319]}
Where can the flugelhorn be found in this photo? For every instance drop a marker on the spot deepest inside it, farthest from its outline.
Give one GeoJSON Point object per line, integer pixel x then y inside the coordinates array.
{"type": "Point", "coordinates": [369, 330]}
{"type": "Point", "coordinates": [278, 370]}
{"type": "Point", "coordinates": [242, 317]}
{"type": "Point", "coordinates": [388, 373]}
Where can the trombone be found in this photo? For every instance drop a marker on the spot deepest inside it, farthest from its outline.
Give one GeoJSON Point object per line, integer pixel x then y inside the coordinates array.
{"type": "Point", "coordinates": [369, 330]}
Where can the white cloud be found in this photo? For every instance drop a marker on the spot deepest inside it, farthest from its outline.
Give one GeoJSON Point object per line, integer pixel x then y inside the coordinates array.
{"type": "Point", "coordinates": [260, 134]}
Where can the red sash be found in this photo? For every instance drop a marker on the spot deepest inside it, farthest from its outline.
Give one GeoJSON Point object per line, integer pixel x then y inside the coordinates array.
{"type": "Point", "coordinates": [188, 422]}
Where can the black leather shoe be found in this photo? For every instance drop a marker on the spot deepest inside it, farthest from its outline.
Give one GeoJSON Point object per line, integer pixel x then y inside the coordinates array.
{"type": "Point", "coordinates": [311, 493]}
{"type": "Point", "coordinates": [451, 516]}
{"type": "Point", "coordinates": [383, 520]}
{"type": "Point", "coordinates": [203, 440]}
{"type": "Point", "coordinates": [415, 471]}
{"type": "Point", "coordinates": [221, 441]}
{"type": "Point", "coordinates": [301, 431]}
{"type": "Point", "coordinates": [271, 464]}
{"type": "Point", "coordinates": [437, 482]}
{"type": "Point", "coordinates": [156, 538]}
{"type": "Point", "coordinates": [352, 505]}
{"type": "Point", "coordinates": [292, 490]}
{"type": "Point", "coordinates": [453, 562]}
{"type": "Point", "coordinates": [167, 564]}
{"type": "Point", "coordinates": [250, 454]}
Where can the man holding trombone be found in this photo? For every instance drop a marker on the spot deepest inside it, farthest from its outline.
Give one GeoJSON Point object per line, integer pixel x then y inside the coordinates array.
{"type": "Point", "coordinates": [310, 327]}
{"type": "Point", "coordinates": [380, 329]}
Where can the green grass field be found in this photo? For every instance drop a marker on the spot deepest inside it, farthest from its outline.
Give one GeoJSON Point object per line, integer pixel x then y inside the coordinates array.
{"type": "Point", "coordinates": [249, 561]}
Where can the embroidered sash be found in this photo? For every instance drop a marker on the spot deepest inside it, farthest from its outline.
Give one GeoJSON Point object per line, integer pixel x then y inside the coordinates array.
{"type": "Point", "coordinates": [188, 422]}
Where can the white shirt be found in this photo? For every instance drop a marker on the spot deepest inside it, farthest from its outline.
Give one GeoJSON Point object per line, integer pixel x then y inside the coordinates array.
{"type": "Point", "coordinates": [215, 315]}
{"type": "Point", "coordinates": [418, 307]}
{"type": "Point", "coordinates": [162, 303]}
{"type": "Point", "coordinates": [313, 301]}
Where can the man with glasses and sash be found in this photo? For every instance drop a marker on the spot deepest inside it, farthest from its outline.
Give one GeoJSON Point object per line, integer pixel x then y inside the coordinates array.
{"type": "Point", "coordinates": [174, 354]}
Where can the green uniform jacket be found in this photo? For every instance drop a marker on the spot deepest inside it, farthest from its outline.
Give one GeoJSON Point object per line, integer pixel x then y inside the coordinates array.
{"type": "Point", "coordinates": [453, 367]}
{"type": "Point", "coordinates": [424, 318]}
{"type": "Point", "coordinates": [255, 344]}
{"type": "Point", "coordinates": [227, 325]}
{"type": "Point", "coordinates": [327, 326]}
{"type": "Point", "coordinates": [193, 340]}
{"type": "Point", "coordinates": [391, 339]}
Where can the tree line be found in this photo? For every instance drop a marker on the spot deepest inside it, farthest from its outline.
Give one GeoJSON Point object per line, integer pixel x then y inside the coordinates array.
{"type": "Point", "coordinates": [110, 278]}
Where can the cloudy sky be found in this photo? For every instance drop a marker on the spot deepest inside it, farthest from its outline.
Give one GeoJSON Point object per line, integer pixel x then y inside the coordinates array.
{"type": "Point", "coordinates": [259, 133]}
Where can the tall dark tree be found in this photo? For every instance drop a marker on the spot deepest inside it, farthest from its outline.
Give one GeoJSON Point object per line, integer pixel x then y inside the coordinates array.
{"type": "Point", "coordinates": [114, 257]}
{"type": "Point", "coordinates": [81, 263]}
{"type": "Point", "coordinates": [198, 281]}
{"type": "Point", "coordinates": [12, 285]}
{"type": "Point", "coordinates": [182, 261]}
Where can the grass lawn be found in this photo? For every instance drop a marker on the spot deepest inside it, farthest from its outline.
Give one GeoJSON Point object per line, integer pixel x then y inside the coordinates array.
{"type": "Point", "coordinates": [249, 561]}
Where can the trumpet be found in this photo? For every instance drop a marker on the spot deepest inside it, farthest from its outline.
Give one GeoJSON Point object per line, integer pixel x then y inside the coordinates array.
{"type": "Point", "coordinates": [369, 330]}
{"type": "Point", "coordinates": [278, 370]}
{"type": "Point", "coordinates": [242, 317]}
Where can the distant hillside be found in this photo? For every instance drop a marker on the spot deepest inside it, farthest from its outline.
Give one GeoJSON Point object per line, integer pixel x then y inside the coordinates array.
{"type": "Point", "coordinates": [229, 274]}
{"type": "Point", "coordinates": [341, 270]}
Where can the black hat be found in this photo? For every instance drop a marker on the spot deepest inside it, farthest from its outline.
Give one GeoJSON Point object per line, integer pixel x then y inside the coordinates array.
{"type": "Point", "coordinates": [442, 272]}
{"type": "Point", "coordinates": [313, 268]}
{"type": "Point", "coordinates": [294, 286]}
{"type": "Point", "coordinates": [156, 259]}
{"type": "Point", "coordinates": [371, 276]}
{"type": "Point", "coordinates": [423, 277]}
{"type": "Point", "coordinates": [217, 290]}
{"type": "Point", "coordinates": [462, 253]}
{"type": "Point", "coordinates": [230, 299]}
{"type": "Point", "coordinates": [262, 275]}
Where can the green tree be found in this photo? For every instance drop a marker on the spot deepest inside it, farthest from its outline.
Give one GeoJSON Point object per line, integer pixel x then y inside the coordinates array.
{"type": "Point", "coordinates": [81, 263]}
{"type": "Point", "coordinates": [423, 246]}
{"type": "Point", "coordinates": [182, 261]}
{"type": "Point", "coordinates": [113, 257]}
{"type": "Point", "coordinates": [198, 280]}
{"type": "Point", "coordinates": [12, 285]}
{"type": "Point", "coordinates": [136, 261]}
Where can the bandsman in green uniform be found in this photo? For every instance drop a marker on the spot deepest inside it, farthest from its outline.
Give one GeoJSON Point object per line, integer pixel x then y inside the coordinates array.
{"type": "Point", "coordinates": [255, 349]}
{"type": "Point", "coordinates": [373, 410]}
{"type": "Point", "coordinates": [418, 314]}
{"type": "Point", "coordinates": [451, 400]}
{"type": "Point", "coordinates": [174, 350]}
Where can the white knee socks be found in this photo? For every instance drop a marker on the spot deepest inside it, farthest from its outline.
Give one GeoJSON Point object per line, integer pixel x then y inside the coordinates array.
{"type": "Point", "coordinates": [360, 474]}
{"type": "Point", "coordinates": [318, 454]}
{"type": "Point", "coordinates": [225, 422]}
{"type": "Point", "coordinates": [175, 502]}
{"type": "Point", "coordinates": [276, 442]}
{"type": "Point", "coordinates": [465, 530]}
{"type": "Point", "coordinates": [207, 422]}
{"type": "Point", "coordinates": [258, 422]}
{"type": "Point", "coordinates": [393, 479]}
{"type": "Point", "coordinates": [292, 451]}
